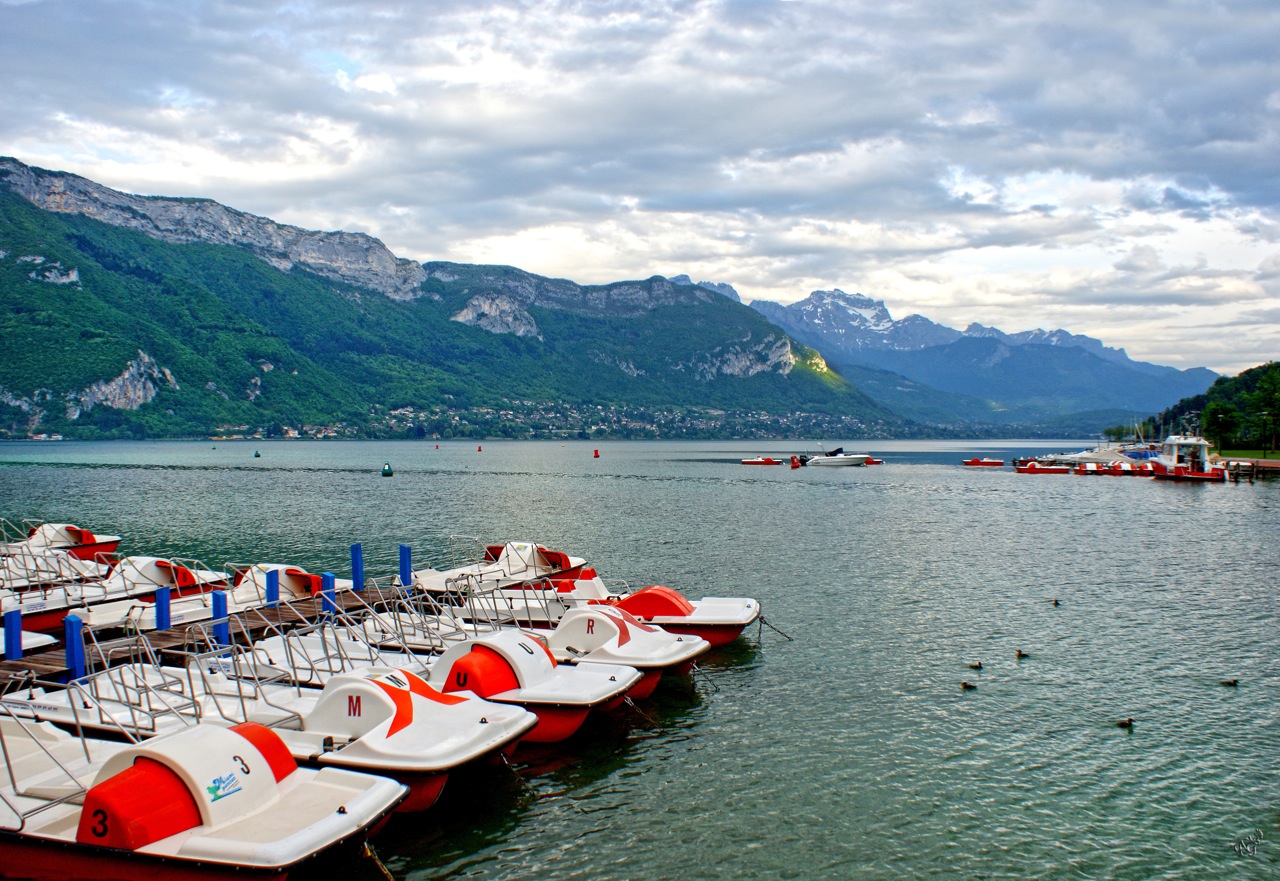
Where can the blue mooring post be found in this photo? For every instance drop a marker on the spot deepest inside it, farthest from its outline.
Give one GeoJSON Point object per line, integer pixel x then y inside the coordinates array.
{"type": "Point", "coordinates": [221, 626]}
{"type": "Point", "coordinates": [328, 591]}
{"type": "Point", "coordinates": [74, 643]}
{"type": "Point", "coordinates": [163, 619]}
{"type": "Point", "coordinates": [13, 635]}
{"type": "Point", "coordinates": [273, 588]}
{"type": "Point", "coordinates": [357, 567]}
{"type": "Point", "coordinates": [406, 566]}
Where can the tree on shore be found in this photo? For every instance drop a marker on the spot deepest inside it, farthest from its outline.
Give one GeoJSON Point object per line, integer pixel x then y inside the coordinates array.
{"type": "Point", "coordinates": [1264, 407]}
{"type": "Point", "coordinates": [1221, 422]}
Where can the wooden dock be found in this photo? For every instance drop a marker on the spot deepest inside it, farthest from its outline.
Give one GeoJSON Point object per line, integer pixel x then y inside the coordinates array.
{"type": "Point", "coordinates": [1250, 469]}
{"type": "Point", "coordinates": [51, 665]}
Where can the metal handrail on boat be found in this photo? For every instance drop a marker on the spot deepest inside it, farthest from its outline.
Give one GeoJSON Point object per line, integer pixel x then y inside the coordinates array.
{"type": "Point", "coordinates": [75, 791]}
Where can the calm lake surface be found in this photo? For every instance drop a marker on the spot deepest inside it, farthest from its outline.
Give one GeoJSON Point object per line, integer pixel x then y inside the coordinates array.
{"type": "Point", "coordinates": [850, 750]}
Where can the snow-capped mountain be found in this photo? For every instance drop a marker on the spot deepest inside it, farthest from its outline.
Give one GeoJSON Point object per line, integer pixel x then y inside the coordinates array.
{"type": "Point", "coordinates": [1033, 368]}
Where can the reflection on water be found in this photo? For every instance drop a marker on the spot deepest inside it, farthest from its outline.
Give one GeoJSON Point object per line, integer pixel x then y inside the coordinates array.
{"type": "Point", "coordinates": [850, 750]}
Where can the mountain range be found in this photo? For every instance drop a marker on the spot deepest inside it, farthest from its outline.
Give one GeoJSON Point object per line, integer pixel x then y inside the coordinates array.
{"type": "Point", "coordinates": [986, 374]}
{"type": "Point", "coordinates": [126, 315]}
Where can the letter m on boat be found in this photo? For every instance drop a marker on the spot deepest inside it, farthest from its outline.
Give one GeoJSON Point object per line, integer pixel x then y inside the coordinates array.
{"type": "Point", "coordinates": [353, 705]}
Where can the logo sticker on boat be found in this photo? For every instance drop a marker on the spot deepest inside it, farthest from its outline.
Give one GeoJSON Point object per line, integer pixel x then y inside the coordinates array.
{"type": "Point", "coordinates": [223, 786]}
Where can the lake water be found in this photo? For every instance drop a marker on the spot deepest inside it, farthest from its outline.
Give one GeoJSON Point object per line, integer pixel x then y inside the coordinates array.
{"type": "Point", "coordinates": [850, 750]}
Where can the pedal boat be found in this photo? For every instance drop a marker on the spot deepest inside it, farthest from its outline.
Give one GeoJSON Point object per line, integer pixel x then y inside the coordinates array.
{"type": "Point", "coordinates": [134, 579]}
{"type": "Point", "coordinates": [511, 667]}
{"type": "Point", "coordinates": [504, 666]}
{"type": "Point", "coordinates": [607, 635]}
{"type": "Point", "coordinates": [534, 587]}
{"type": "Point", "coordinates": [248, 590]}
{"type": "Point", "coordinates": [718, 620]}
{"type": "Point", "coordinates": [203, 804]}
{"type": "Point", "coordinates": [378, 720]}
{"type": "Point", "coordinates": [66, 538]}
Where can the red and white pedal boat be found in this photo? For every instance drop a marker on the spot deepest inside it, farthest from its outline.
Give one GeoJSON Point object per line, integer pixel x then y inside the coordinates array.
{"type": "Point", "coordinates": [512, 667]}
{"type": "Point", "coordinates": [538, 586]}
{"type": "Point", "coordinates": [608, 635]}
{"type": "Point", "coordinates": [248, 590]}
{"type": "Point", "coordinates": [205, 803]}
{"type": "Point", "coordinates": [718, 620]}
{"type": "Point", "coordinates": [65, 537]}
{"type": "Point", "coordinates": [503, 666]}
{"type": "Point", "coordinates": [1033, 467]}
{"type": "Point", "coordinates": [135, 578]}
{"type": "Point", "coordinates": [378, 720]}
{"type": "Point", "coordinates": [28, 568]}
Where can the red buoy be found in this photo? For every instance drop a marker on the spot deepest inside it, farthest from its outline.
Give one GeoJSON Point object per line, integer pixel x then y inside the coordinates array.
{"type": "Point", "coordinates": [597, 454]}
{"type": "Point", "coordinates": [795, 461]}
{"type": "Point", "coordinates": [479, 449]}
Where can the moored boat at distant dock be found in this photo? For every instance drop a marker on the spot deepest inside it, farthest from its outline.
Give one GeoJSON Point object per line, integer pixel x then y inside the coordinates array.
{"type": "Point", "coordinates": [1185, 458]}
{"type": "Point", "coordinates": [1032, 466]}
{"type": "Point", "coordinates": [984, 462]}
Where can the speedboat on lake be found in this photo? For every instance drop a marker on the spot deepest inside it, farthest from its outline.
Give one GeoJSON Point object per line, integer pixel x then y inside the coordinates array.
{"type": "Point", "coordinates": [836, 457]}
{"type": "Point", "coordinates": [984, 462]}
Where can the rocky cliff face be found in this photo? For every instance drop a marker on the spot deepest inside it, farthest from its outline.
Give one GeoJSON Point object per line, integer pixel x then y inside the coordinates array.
{"type": "Point", "coordinates": [773, 353]}
{"type": "Point", "coordinates": [620, 299]}
{"type": "Point", "coordinates": [135, 386]}
{"type": "Point", "coordinates": [128, 391]}
{"type": "Point", "coordinates": [497, 313]}
{"type": "Point", "coordinates": [353, 258]}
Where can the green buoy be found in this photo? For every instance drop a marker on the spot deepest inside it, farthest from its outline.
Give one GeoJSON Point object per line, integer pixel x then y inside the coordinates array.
{"type": "Point", "coordinates": [386, 470]}
{"type": "Point", "coordinates": [257, 455]}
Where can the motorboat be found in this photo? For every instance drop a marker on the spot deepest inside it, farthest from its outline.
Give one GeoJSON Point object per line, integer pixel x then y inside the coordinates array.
{"type": "Point", "coordinates": [1186, 458]}
{"type": "Point", "coordinates": [65, 537]}
{"type": "Point", "coordinates": [205, 803]}
{"type": "Point", "coordinates": [608, 635]}
{"type": "Point", "coordinates": [836, 457]}
{"type": "Point", "coordinates": [378, 720]}
{"type": "Point", "coordinates": [512, 667]}
{"type": "Point", "coordinates": [984, 462]}
{"type": "Point", "coordinates": [762, 460]}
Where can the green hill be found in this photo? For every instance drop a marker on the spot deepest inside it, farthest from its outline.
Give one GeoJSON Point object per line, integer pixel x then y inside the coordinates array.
{"type": "Point", "coordinates": [109, 331]}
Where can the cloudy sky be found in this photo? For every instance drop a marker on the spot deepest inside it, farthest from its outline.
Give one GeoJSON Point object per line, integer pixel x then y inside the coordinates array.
{"type": "Point", "coordinates": [1108, 168]}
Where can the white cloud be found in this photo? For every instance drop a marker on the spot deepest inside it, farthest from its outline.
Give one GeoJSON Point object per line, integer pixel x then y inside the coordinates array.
{"type": "Point", "coordinates": [1106, 168]}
